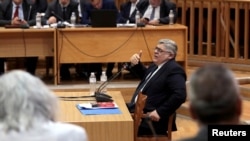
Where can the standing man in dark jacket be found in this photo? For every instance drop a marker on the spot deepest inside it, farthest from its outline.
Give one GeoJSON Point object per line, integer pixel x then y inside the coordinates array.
{"type": "Point", "coordinates": [24, 17]}
{"type": "Point", "coordinates": [164, 83]}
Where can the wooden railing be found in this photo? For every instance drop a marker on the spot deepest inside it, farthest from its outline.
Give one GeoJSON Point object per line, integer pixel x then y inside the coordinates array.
{"type": "Point", "coordinates": [218, 31]}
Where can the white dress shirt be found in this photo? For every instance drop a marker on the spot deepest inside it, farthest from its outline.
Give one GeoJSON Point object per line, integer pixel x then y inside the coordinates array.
{"type": "Point", "coordinates": [20, 11]}
{"type": "Point", "coordinates": [132, 8]}
{"type": "Point", "coordinates": [149, 11]}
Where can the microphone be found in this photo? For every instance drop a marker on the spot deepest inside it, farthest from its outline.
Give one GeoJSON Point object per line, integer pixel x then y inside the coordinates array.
{"type": "Point", "coordinates": [101, 97]}
{"type": "Point", "coordinates": [29, 13]}
{"type": "Point", "coordinates": [59, 24]}
{"type": "Point", "coordinates": [57, 16]}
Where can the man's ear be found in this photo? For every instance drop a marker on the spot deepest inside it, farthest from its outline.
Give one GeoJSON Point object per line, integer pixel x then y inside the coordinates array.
{"type": "Point", "coordinates": [171, 56]}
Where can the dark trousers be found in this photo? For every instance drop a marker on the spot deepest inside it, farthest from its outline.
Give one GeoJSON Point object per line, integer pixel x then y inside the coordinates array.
{"type": "Point", "coordinates": [110, 67]}
{"type": "Point", "coordinates": [87, 68]}
{"type": "Point", "coordinates": [30, 64]}
{"type": "Point", "coordinates": [64, 71]}
{"type": "Point", "coordinates": [1, 66]}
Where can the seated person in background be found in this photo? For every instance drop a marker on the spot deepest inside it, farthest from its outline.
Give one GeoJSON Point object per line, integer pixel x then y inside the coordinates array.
{"type": "Point", "coordinates": [155, 12]}
{"type": "Point", "coordinates": [95, 5]}
{"type": "Point", "coordinates": [212, 100]}
{"type": "Point", "coordinates": [128, 11]}
{"type": "Point", "coordinates": [164, 83]}
{"type": "Point", "coordinates": [86, 14]}
{"type": "Point", "coordinates": [127, 15]}
{"type": "Point", "coordinates": [29, 109]}
{"type": "Point", "coordinates": [61, 10]}
{"type": "Point", "coordinates": [18, 12]}
{"type": "Point", "coordinates": [80, 8]}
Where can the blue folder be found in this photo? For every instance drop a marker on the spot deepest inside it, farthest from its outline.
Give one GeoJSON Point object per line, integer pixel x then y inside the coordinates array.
{"type": "Point", "coordinates": [108, 111]}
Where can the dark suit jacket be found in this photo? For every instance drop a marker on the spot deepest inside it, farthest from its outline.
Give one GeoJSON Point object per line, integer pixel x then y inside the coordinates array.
{"type": "Point", "coordinates": [165, 5]}
{"type": "Point", "coordinates": [166, 91]}
{"type": "Point", "coordinates": [6, 6]}
{"type": "Point", "coordinates": [41, 5]}
{"type": "Point", "coordinates": [86, 13]}
{"type": "Point", "coordinates": [55, 7]}
{"type": "Point", "coordinates": [125, 12]}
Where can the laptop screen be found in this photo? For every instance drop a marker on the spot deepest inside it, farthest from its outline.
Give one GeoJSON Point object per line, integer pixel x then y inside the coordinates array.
{"type": "Point", "coordinates": [103, 18]}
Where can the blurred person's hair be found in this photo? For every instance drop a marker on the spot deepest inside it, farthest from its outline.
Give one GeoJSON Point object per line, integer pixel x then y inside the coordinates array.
{"type": "Point", "coordinates": [214, 94]}
{"type": "Point", "coordinates": [25, 101]}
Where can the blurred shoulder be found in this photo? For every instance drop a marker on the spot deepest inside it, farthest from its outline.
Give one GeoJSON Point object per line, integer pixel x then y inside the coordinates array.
{"type": "Point", "coordinates": [67, 131]}
{"type": "Point", "coordinates": [5, 3]}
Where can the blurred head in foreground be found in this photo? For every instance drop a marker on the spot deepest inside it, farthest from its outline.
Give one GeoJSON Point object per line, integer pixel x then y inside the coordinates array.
{"type": "Point", "coordinates": [24, 101]}
{"type": "Point", "coordinates": [28, 110]}
{"type": "Point", "coordinates": [214, 95]}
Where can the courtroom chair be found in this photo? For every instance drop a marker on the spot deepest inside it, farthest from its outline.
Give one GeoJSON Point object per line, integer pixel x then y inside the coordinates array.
{"type": "Point", "coordinates": [138, 115]}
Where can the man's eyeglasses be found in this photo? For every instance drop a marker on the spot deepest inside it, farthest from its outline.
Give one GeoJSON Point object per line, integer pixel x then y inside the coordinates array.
{"type": "Point", "coordinates": [157, 49]}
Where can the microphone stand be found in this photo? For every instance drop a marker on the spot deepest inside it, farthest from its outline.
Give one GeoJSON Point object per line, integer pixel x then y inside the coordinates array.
{"type": "Point", "coordinates": [99, 96]}
{"type": "Point", "coordinates": [60, 24]}
{"type": "Point", "coordinates": [102, 97]}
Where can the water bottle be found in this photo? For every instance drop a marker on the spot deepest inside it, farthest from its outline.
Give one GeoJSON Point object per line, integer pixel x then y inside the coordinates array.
{"type": "Point", "coordinates": [92, 83]}
{"type": "Point", "coordinates": [171, 17]}
{"type": "Point", "coordinates": [38, 20]}
{"type": "Point", "coordinates": [73, 18]}
{"type": "Point", "coordinates": [137, 17]}
{"type": "Point", "coordinates": [103, 80]}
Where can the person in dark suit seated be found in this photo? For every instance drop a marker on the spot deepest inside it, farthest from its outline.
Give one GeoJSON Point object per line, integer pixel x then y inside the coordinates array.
{"type": "Point", "coordinates": [213, 101]}
{"type": "Point", "coordinates": [29, 111]}
{"type": "Point", "coordinates": [164, 83]}
{"type": "Point", "coordinates": [128, 11]}
{"type": "Point", "coordinates": [155, 12]}
{"type": "Point", "coordinates": [86, 14]}
{"type": "Point", "coordinates": [18, 12]}
{"type": "Point", "coordinates": [40, 5]}
{"type": "Point", "coordinates": [59, 10]}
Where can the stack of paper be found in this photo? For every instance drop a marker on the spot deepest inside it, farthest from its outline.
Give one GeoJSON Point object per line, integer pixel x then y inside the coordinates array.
{"type": "Point", "coordinates": [100, 108]}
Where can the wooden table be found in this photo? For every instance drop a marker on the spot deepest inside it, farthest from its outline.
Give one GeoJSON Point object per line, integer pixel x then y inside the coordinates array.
{"type": "Point", "coordinates": [89, 45]}
{"type": "Point", "coordinates": [27, 42]}
{"type": "Point", "coordinates": [116, 127]}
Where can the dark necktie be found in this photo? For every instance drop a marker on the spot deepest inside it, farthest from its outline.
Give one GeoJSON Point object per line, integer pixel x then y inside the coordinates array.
{"type": "Point", "coordinates": [64, 13]}
{"type": "Point", "coordinates": [142, 84]}
{"type": "Point", "coordinates": [16, 12]}
{"type": "Point", "coordinates": [152, 14]}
